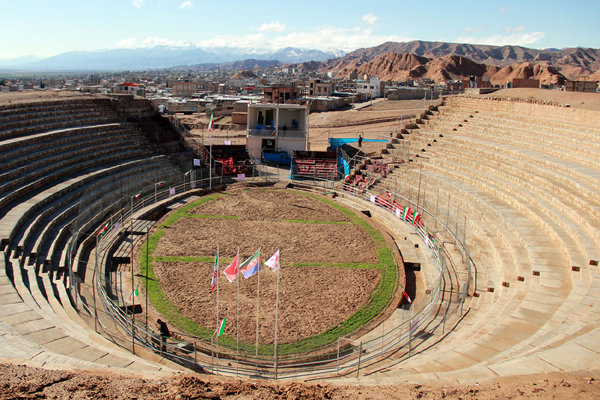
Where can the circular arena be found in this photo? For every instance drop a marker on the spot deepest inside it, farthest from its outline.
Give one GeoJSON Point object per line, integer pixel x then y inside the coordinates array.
{"type": "Point", "coordinates": [472, 259]}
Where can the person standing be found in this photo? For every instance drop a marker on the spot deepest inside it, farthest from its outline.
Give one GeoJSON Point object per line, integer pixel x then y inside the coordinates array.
{"type": "Point", "coordinates": [164, 334]}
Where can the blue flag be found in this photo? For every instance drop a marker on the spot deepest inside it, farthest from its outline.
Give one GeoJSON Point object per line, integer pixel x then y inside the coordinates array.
{"type": "Point", "coordinates": [251, 266]}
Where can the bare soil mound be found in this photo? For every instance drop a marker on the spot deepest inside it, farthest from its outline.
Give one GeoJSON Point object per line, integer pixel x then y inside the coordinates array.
{"type": "Point", "coordinates": [20, 382]}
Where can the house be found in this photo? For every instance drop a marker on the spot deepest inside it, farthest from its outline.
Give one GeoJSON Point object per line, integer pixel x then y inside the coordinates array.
{"type": "Point", "coordinates": [280, 93]}
{"type": "Point", "coordinates": [186, 88]}
{"type": "Point", "coordinates": [282, 127]}
{"type": "Point", "coordinates": [317, 88]}
{"type": "Point", "coordinates": [370, 87]}
{"type": "Point", "coordinates": [136, 89]}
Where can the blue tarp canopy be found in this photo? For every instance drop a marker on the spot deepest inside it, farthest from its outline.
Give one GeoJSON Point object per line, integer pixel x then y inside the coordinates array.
{"type": "Point", "coordinates": [334, 143]}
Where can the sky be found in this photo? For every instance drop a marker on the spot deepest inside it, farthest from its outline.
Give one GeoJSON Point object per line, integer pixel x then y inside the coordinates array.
{"type": "Point", "coordinates": [45, 28]}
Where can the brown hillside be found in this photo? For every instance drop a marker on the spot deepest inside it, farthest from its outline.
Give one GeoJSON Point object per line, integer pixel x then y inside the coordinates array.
{"type": "Point", "coordinates": [244, 75]}
{"type": "Point", "coordinates": [399, 67]}
{"type": "Point", "coordinates": [545, 73]}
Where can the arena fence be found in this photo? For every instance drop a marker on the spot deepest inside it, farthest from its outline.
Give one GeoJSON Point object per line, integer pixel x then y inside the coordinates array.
{"type": "Point", "coordinates": [425, 319]}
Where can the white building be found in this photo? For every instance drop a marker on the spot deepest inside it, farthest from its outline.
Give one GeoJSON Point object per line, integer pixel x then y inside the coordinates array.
{"type": "Point", "coordinates": [282, 127]}
{"type": "Point", "coordinates": [371, 87]}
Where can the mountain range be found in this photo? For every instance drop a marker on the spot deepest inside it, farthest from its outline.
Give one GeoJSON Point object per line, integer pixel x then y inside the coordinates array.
{"type": "Point", "coordinates": [403, 67]}
{"type": "Point", "coordinates": [390, 60]}
{"type": "Point", "coordinates": [573, 63]}
{"type": "Point", "coordinates": [159, 57]}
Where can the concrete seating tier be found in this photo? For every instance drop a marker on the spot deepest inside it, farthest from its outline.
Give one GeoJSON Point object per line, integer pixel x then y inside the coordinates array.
{"type": "Point", "coordinates": [48, 116]}
{"type": "Point", "coordinates": [24, 152]}
{"type": "Point", "coordinates": [583, 217]}
{"type": "Point", "coordinates": [526, 181]}
{"type": "Point", "coordinates": [47, 232]}
{"type": "Point", "coordinates": [55, 165]}
{"type": "Point", "coordinates": [49, 167]}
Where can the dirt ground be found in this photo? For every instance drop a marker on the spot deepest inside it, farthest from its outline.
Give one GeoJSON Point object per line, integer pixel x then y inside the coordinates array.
{"type": "Point", "coordinates": [20, 382]}
{"type": "Point", "coordinates": [312, 298]}
{"type": "Point", "coordinates": [271, 205]}
{"type": "Point", "coordinates": [33, 96]}
{"type": "Point", "coordinates": [374, 121]}
{"type": "Point", "coordinates": [584, 101]}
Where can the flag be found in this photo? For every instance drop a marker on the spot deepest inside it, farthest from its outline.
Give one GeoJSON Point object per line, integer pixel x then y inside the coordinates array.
{"type": "Point", "coordinates": [172, 191]}
{"type": "Point", "coordinates": [416, 217]}
{"type": "Point", "coordinates": [250, 101]}
{"type": "Point", "coordinates": [405, 212]}
{"type": "Point", "coordinates": [231, 272]}
{"type": "Point", "coordinates": [220, 329]}
{"type": "Point", "coordinates": [406, 296]}
{"type": "Point", "coordinates": [161, 183]}
{"type": "Point", "coordinates": [187, 173]}
{"type": "Point", "coordinates": [251, 266]}
{"type": "Point", "coordinates": [135, 293]}
{"type": "Point", "coordinates": [372, 198]}
{"type": "Point", "coordinates": [398, 212]}
{"type": "Point", "coordinates": [210, 123]}
{"type": "Point", "coordinates": [429, 240]}
{"type": "Point", "coordinates": [273, 262]}
{"type": "Point", "coordinates": [215, 275]}
{"type": "Point", "coordinates": [137, 196]}
{"type": "Point", "coordinates": [116, 226]}
{"type": "Point", "coordinates": [104, 228]}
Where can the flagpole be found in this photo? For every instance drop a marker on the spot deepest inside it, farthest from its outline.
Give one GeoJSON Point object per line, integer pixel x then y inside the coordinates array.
{"type": "Point", "coordinates": [210, 160]}
{"type": "Point", "coordinates": [132, 288]}
{"type": "Point", "coordinates": [276, 314]}
{"type": "Point", "coordinates": [237, 312]}
{"type": "Point", "coordinates": [257, 306]}
{"type": "Point", "coordinates": [217, 278]}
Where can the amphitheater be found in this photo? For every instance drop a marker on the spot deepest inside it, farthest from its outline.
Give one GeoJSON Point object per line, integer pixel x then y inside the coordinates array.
{"type": "Point", "coordinates": [508, 189]}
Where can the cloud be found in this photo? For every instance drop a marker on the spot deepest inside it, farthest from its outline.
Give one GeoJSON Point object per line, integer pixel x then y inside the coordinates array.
{"type": "Point", "coordinates": [369, 18]}
{"type": "Point", "coordinates": [151, 41]}
{"type": "Point", "coordinates": [502, 9]}
{"type": "Point", "coordinates": [518, 39]}
{"type": "Point", "coordinates": [272, 27]}
{"type": "Point", "coordinates": [186, 4]}
{"type": "Point", "coordinates": [129, 43]}
{"type": "Point", "coordinates": [323, 38]}
{"type": "Point", "coordinates": [519, 28]}
{"type": "Point", "coordinates": [138, 3]}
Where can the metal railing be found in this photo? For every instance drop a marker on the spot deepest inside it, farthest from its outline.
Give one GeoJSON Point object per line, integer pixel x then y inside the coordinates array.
{"type": "Point", "coordinates": [339, 357]}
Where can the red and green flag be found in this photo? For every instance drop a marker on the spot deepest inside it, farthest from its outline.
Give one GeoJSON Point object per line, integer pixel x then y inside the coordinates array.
{"type": "Point", "coordinates": [104, 229]}
{"type": "Point", "coordinates": [220, 329]}
{"type": "Point", "coordinates": [210, 122]}
{"type": "Point", "coordinates": [416, 217]}
{"type": "Point", "coordinates": [405, 212]}
{"type": "Point", "coordinates": [135, 293]}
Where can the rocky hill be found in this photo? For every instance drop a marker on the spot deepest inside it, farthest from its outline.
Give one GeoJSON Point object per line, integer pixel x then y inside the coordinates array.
{"type": "Point", "coordinates": [572, 62]}
{"type": "Point", "coordinates": [399, 67]}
